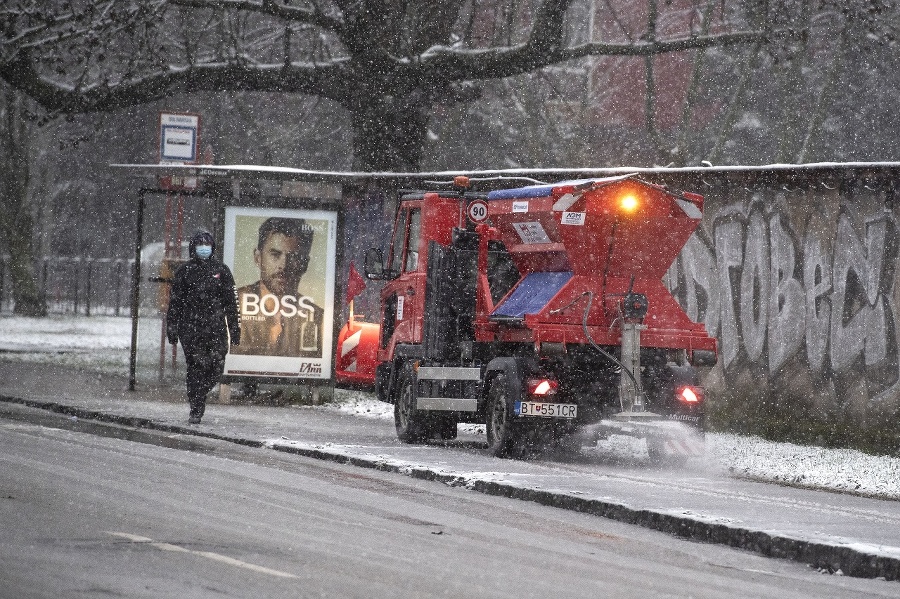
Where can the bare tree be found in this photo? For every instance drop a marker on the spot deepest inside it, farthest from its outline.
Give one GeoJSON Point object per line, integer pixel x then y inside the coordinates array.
{"type": "Point", "coordinates": [812, 96]}
{"type": "Point", "coordinates": [387, 62]}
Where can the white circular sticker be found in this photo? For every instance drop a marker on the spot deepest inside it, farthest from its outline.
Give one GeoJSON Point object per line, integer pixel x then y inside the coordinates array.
{"type": "Point", "coordinates": [478, 211]}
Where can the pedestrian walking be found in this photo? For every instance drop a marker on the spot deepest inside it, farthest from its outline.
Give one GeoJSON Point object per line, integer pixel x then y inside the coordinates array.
{"type": "Point", "coordinates": [203, 315]}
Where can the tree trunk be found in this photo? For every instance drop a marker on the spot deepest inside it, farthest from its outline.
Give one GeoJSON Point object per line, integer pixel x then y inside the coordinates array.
{"type": "Point", "coordinates": [388, 136]}
{"type": "Point", "coordinates": [16, 223]}
{"type": "Point", "coordinates": [389, 132]}
{"type": "Point", "coordinates": [817, 115]}
{"type": "Point", "coordinates": [26, 294]}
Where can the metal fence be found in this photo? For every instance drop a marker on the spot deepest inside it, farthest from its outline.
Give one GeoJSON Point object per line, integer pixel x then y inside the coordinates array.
{"type": "Point", "coordinates": [79, 286]}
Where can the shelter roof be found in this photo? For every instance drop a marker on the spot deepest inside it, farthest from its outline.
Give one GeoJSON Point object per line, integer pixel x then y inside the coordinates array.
{"type": "Point", "coordinates": [790, 175]}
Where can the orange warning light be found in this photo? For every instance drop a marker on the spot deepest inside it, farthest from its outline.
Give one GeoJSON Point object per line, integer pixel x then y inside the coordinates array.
{"type": "Point", "coordinates": [629, 203]}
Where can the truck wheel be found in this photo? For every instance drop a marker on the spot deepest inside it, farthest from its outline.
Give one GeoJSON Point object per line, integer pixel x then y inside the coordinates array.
{"type": "Point", "coordinates": [410, 423]}
{"type": "Point", "coordinates": [502, 435]}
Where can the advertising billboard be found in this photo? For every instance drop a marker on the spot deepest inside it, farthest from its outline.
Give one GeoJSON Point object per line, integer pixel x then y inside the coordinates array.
{"type": "Point", "coordinates": [283, 262]}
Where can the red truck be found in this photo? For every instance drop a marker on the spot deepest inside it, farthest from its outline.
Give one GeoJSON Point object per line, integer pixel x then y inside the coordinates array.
{"type": "Point", "coordinates": [540, 311]}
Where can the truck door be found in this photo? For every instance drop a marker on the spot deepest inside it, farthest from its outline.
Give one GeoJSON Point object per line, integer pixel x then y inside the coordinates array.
{"type": "Point", "coordinates": [402, 297]}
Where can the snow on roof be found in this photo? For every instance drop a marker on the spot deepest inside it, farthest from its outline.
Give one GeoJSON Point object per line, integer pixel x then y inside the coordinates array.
{"type": "Point", "coordinates": [548, 174]}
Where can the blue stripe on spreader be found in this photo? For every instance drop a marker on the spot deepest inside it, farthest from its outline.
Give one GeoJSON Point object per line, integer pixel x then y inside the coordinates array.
{"type": "Point", "coordinates": [533, 191]}
{"type": "Point", "coordinates": [532, 294]}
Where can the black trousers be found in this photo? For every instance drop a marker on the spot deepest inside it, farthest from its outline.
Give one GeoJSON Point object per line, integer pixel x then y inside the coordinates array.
{"type": "Point", "coordinates": [205, 359]}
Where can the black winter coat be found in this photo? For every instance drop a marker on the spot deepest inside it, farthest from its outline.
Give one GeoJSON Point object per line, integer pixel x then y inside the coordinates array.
{"type": "Point", "coordinates": [203, 303]}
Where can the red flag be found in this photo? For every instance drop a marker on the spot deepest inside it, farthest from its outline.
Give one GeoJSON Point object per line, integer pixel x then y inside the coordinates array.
{"type": "Point", "coordinates": [356, 284]}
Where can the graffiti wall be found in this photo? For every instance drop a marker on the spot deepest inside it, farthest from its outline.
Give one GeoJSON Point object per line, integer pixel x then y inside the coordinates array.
{"type": "Point", "coordinates": [799, 287]}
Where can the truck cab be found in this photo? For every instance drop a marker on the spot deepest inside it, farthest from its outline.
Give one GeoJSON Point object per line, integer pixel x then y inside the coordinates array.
{"type": "Point", "coordinates": [424, 220]}
{"type": "Point", "coordinates": [403, 292]}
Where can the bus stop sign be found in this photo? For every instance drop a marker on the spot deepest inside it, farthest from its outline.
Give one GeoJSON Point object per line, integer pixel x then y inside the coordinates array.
{"type": "Point", "coordinates": [178, 138]}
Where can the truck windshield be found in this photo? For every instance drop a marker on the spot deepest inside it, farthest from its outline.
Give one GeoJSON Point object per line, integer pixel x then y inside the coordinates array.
{"type": "Point", "coordinates": [412, 243]}
{"type": "Point", "coordinates": [398, 243]}
{"type": "Point", "coordinates": [502, 273]}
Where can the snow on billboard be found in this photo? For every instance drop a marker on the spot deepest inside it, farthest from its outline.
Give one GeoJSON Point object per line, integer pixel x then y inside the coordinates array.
{"type": "Point", "coordinates": [283, 262]}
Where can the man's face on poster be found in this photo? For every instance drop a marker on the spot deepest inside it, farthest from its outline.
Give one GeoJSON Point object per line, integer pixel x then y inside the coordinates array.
{"type": "Point", "coordinates": [282, 261]}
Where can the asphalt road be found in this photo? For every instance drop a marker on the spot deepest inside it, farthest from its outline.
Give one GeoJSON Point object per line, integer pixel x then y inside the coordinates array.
{"type": "Point", "coordinates": [95, 510]}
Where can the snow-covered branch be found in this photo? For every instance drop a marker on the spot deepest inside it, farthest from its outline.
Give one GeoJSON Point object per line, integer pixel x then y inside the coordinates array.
{"type": "Point", "coordinates": [459, 64]}
{"type": "Point", "coordinates": [281, 10]}
{"type": "Point", "coordinates": [318, 79]}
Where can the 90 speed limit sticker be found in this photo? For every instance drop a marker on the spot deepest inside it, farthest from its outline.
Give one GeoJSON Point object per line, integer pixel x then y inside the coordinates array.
{"type": "Point", "coordinates": [546, 410]}
{"type": "Point", "coordinates": [477, 211]}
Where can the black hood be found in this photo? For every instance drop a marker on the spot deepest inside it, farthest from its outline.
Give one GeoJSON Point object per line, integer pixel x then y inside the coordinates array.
{"type": "Point", "coordinates": [201, 237]}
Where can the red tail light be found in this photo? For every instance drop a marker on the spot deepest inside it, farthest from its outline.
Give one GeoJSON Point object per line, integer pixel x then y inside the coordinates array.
{"type": "Point", "coordinates": [542, 387]}
{"type": "Point", "coordinates": [689, 394]}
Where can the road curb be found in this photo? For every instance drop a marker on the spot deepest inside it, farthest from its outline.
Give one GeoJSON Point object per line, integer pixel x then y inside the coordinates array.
{"type": "Point", "coordinates": [831, 557]}
{"type": "Point", "coordinates": [821, 555]}
{"type": "Point", "coordinates": [133, 421]}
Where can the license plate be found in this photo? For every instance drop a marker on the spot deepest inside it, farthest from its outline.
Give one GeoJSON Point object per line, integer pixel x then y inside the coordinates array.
{"type": "Point", "coordinates": [546, 410]}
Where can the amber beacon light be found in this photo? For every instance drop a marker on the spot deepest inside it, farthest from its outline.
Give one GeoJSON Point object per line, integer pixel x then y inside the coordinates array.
{"type": "Point", "coordinates": [629, 203]}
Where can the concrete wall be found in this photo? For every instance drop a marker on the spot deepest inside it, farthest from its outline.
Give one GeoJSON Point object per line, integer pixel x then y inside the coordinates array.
{"type": "Point", "coordinates": [799, 284]}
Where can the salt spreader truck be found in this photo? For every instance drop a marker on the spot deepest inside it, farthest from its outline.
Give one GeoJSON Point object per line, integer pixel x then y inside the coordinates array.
{"type": "Point", "coordinates": [540, 311]}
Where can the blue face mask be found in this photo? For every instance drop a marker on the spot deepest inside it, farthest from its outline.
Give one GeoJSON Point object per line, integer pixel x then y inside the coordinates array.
{"type": "Point", "coordinates": [203, 251]}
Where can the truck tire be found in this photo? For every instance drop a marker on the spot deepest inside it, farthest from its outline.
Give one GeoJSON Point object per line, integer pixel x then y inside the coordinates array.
{"type": "Point", "coordinates": [411, 424]}
{"type": "Point", "coordinates": [502, 433]}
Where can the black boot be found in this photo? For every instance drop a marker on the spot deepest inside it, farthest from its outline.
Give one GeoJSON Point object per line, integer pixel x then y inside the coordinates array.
{"type": "Point", "coordinates": [196, 412]}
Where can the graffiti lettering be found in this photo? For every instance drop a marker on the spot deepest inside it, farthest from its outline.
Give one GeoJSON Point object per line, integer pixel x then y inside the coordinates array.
{"type": "Point", "coordinates": [767, 294]}
{"type": "Point", "coordinates": [729, 259]}
{"type": "Point", "coordinates": [787, 300]}
{"type": "Point", "coordinates": [859, 309]}
{"type": "Point", "coordinates": [817, 282]}
{"type": "Point", "coordinates": [754, 288]}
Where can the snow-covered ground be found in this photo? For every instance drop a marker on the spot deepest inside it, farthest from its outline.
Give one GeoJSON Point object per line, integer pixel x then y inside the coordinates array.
{"type": "Point", "coordinates": [100, 343]}
{"type": "Point", "coordinates": [103, 343]}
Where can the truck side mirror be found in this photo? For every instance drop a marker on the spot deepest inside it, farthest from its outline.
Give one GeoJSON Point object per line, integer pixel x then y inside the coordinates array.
{"type": "Point", "coordinates": [374, 265]}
